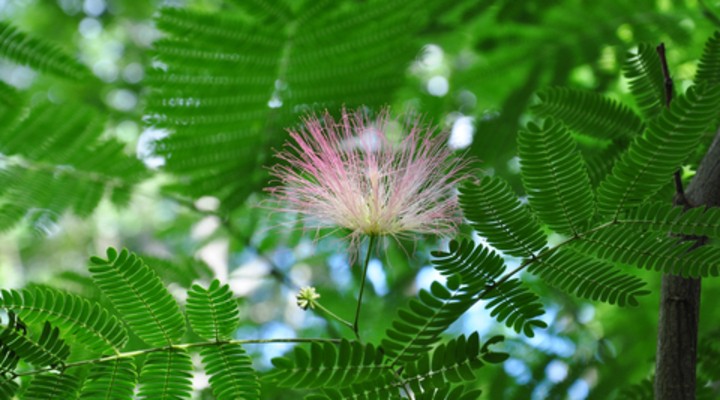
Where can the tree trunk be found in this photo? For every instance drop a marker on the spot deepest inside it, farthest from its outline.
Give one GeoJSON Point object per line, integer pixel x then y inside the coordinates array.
{"type": "Point", "coordinates": [680, 299]}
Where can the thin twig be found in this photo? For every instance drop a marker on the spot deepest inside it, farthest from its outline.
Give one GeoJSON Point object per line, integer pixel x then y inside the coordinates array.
{"type": "Point", "coordinates": [362, 286]}
{"type": "Point", "coordinates": [680, 198]}
{"type": "Point", "coordinates": [184, 346]}
{"type": "Point", "coordinates": [666, 74]}
{"type": "Point", "coordinates": [709, 14]}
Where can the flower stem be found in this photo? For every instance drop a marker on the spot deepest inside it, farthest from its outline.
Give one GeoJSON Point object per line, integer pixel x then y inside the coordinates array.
{"type": "Point", "coordinates": [362, 285]}
{"type": "Point", "coordinates": [333, 315]}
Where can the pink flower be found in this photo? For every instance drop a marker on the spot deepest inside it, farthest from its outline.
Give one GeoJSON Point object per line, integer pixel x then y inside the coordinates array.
{"type": "Point", "coordinates": [352, 174]}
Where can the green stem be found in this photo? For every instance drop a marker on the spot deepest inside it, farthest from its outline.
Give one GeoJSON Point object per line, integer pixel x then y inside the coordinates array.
{"type": "Point", "coordinates": [333, 315]}
{"type": "Point", "coordinates": [183, 346]}
{"type": "Point", "coordinates": [362, 286]}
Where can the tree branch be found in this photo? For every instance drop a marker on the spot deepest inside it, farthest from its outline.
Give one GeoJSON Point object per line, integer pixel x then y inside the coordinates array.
{"type": "Point", "coordinates": [676, 352]}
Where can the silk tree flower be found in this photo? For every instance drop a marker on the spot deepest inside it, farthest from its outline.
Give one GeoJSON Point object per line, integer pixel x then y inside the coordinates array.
{"type": "Point", "coordinates": [352, 174]}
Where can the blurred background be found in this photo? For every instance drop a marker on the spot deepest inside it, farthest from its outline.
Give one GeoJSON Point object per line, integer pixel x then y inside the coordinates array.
{"type": "Point", "coordinates": [470, 67]}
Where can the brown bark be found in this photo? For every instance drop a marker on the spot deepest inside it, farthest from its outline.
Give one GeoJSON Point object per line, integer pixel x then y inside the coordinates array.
{"type": "Point", "coordinates": [675, 368]}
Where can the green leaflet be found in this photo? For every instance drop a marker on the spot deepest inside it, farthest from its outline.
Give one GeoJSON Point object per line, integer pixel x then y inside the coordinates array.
{"type": "Point", "coordinates": [651, 159]}
{"type": "Point", "coordinates": [644, 73]}
{"type": "Point", "coordinates": [234, 83]}
{"type": "Point", "coordinates": [212, 312]}
{"type": "Point", "coordinates": [46, 350]}
{"type": "Point", "coordinates": [599, 162]}
{"type": "Point", "coordinates": [708, 71]}
{"type": "Point", "coordinates": [329, 365]}
{"type": "Point", "coordinates": [139, 296]}
{"type": "Point", "coordinates": [166, 375]}
{"type": "Point", "coordinates": [8, 387]}
{"type": "Point", "coordinates": [477, 269]}
{"type": "Point", "coordinates": [383, 388]}
{"type": "Point", "coordinates": [665, 217]}
{"type": "Point", "coordinates": [418, 325]}
{"type": "Point", "coordinates": [555, 178]}
{"type": "Point", "coordinates": [453, 362]}
{"type": "Point", "coordinates": [39, 54]}
{"type": "Point", "coordinates": [585, 277]}
{"type": "Point", "coordinates": [589, 113]}
{"type": "Point", "coordinates": [52, 386]}
{"type": "Point", "coordinates": [497, 214]}
{"type": "Point", "coordinates": [231, 372]}
{"type": "Point", "coordinates": [652, 251]}
{"type": "Point", "coordinates": [56, 162]}
{"type": "Point", "coordinates": [89, 323]}
{"type": "Point", "coordinates": [114, 379]}
{"type": "Point", "coordinates": [459, 392]}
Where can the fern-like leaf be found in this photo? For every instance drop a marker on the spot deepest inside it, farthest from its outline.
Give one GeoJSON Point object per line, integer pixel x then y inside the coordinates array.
{"type": "Point", "coordinates": [419, 325]}
{"type": "Point", "coordinates": [651, 159]}
{"type": "Point", "coordinates": [52, 386]}
{"type": "Point", "coordinates": [212, 312]}
{"type": "Point", "coordinates": [91, 324]}
{"type": "Point", "coordinates": [139, 296]}
{"type": "Point", "coordinates": [709, 66]}
{"type": "Point", "coordinates": [245, 80]}
{"type": "Point", "coordinates": [39, 54]}
{"type": "Point", "coordinates": [46, 350]}
{"type": "Point", "coordinates": [600, 162]}
{"type": "Point", "coordinates": [478, 269]}
{"type": "Point", "coordinates": [385, 387]}
{"type": "Point", "coordinates": [497, 214]}
{"type": "Point", "coordinates": [113, 379]}
{"type": "Point", "coordinates": [554, 176]}
{"type": "Point", "coordinates": [652, 251]}
{"type": "Point", "coordinates": [8, 387]}
{"type": "Point", "coordinates": [664, 217]}
{"type": "Point", "coordinates": [166, 375]}
{"type": "Point", "coordinates": [55, 162]}
{"type": "Point", "coordinates": [644, 73]}
{"type": "Point", "coordinates": [454, 362]}
{"type": "Point", "coordinates": [585, 277]}
{"type": "Point", "coordinates": [329, 365]}
{"type": "Point", "coordinates": [231, 372]}
{"type": "Point", "coordinates": [589, 113]}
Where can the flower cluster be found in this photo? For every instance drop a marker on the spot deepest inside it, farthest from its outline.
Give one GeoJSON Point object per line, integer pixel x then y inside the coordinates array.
{"type": "Point", "coordinates": [349, 173]}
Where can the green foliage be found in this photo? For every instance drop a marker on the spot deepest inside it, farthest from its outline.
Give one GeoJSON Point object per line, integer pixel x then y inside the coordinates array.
{"type": "Point", "coordinates": [52, 386]}
{"type": "Point", "coordinates": [497, 214]}
{"type": "Point", "coordinates": [231, 372]}
{"type": "Point", "coordinates": [589, 113]}
{"type": "Point", "coordinates": [8, 387]}
{"type": "Point", "coordinates": [139, 295]}
{"type": "Point", "coordinates": [555, 178]}
{"type": "Point", "coordinates": [89, 323]}
{"type": "Point", "coordinates": [652, 158]}
{"type": "Point", "coordinates": [653, 251]}
{"type": "Point", "coordinates": [664, 217]}
{"type": "Point", "coordinates": [453, 362]}
{"type": "Point", "coordinates": [212, 312]}
{"type": "Point", "coordinates": [478, 269]}
{"type": "Point", "coordinates": [39, 54]}
{"type": "Point", "coordinates": [456, 393]}
{"type": "Point", "coordinates": [592, 279]}
{"type": "Point", "coordinates": [229, 77]}
{"type": "Point", "coordinates": [232, 84]}
{"type": "Point", "coordinates": [709, 65]}
{"type": "Point", "coordinates": [113, 379]}
{"type": "Point", "coordinates": [54, 162]}
{"type": "Point", "coordinates": [329, 365]}
{"type": "Point", "coordinates": [644, 73]}
{"type": "Point", "coordinates": [166, 375]}
{"type": "Point", "coordinates": [48, 349]}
